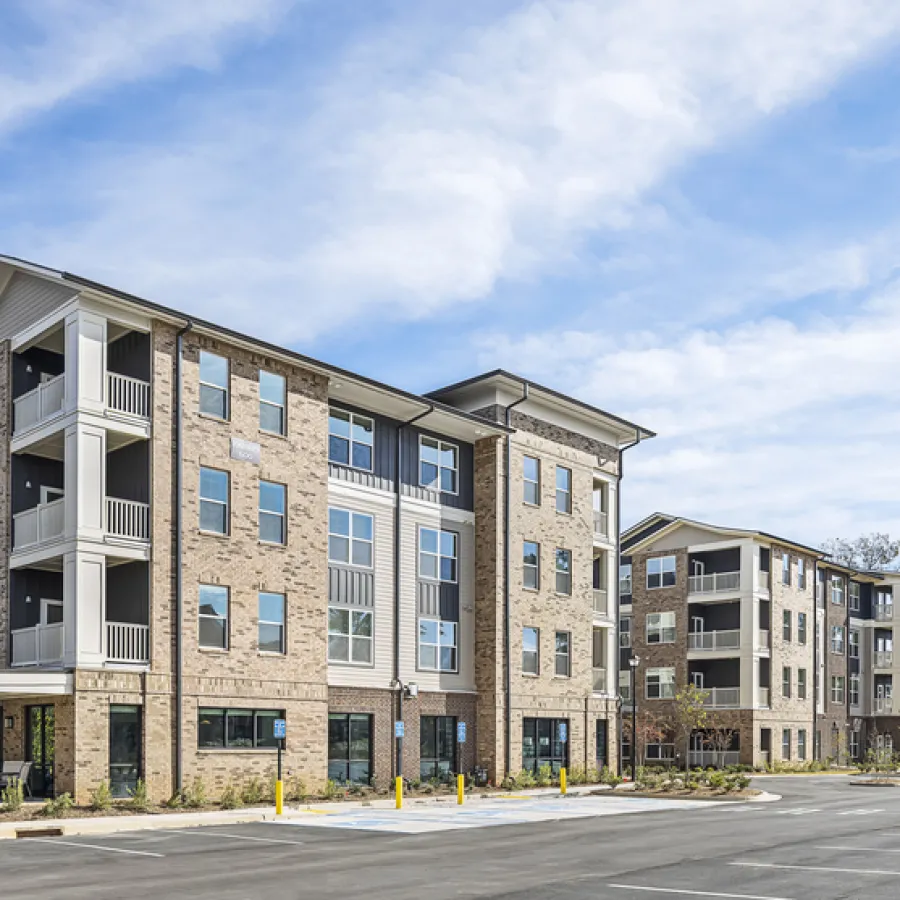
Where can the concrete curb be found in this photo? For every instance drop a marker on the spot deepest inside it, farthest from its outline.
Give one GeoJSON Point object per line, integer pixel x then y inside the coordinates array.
{"type": "Point", "coordinates": [764, 797]}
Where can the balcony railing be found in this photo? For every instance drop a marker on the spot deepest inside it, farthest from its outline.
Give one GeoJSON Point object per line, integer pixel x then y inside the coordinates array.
{"type": "Point", "coordinates": [625, 587]}
{"type": "Point", "coordinates": [764, 695]}
{"type": "Point", "coordinates": [764, 580]}
{"type": "Point", "coordinates": [37, 405]}
{"type": "Point", "coordinates": [714, 640]}
{"type": "Point", "coordinates": [601, 523]}
{"type": "Point", "coordinates": [723, 697]}
{"type": "Point", "coordinates": [705, 758]}
{"type": "Point", "coordinates": [128, 395]}
{"type": "Point", "coordinates": [884, 705]}
{"type": "Point", "coordinates": [884, 612]}
{"type": "Point", "coordinates": [43, 522]}
{"type": "Point", "coordinates": [128, 519]}
{"type": "Point", "coordinates": [762, 639]}
{"type": "Point", "coordinates": [711, 584]}
{"type": "Point", "coordinates": [601, 602]}
{"type": "Point", "coordinates": [127, 643]}
{"type": "Point", "coordinates": [38, 646]}
{"type": "Point", "coordinates": [599, 681]}
{"type": "Point", "coordinates": [884, 659]}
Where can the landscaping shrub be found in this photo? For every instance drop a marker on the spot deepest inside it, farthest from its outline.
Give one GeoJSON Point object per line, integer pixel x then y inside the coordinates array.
{"type": "Point", "coordinates": [139, 801]}
{"type": "Point", "coordinates": [13, 796]}
{"type": "Point", "coordinates": [230, 798]}
{"type": "Point", "coordinates": [608, 776]}
{"type": "Point", "coordinates": [59, 807]}
{"type": "Point", "coordinates": [544, 776]}
{"type": "Point", "coordinates": [195, 795]}
{"type": "Point", "coordinates": [254, 792]}
{"type": "Point", "coordinates": [101, 797]}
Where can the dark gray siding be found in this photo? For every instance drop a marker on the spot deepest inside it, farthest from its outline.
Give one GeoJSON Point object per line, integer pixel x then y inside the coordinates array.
{"type": "Point", "coordinates": [38, 361]}
{"type": "Point", "coordinates": [351, 587]}
{"type": "Point", "coordinates": [128, 472]}
{"type": "Point", "coordinates": [130, 355]}
{"type": "Point", "coordinates": [384, 454]}
{"type": "Point", "coordinates": [27, 300]}
{"type": "Point", "coordinates": [439, 601]}
{"type": "Point", "coordinates": [35, 584]}
{"type": "Point", "coordinates": [35, 471]}
{"type": "Point", "coordinates": [128, 593]}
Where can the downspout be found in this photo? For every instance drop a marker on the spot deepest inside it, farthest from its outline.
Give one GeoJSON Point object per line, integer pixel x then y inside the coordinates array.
{"type": "Point", "coordinates": [507, 673]}
{"type": "Point", "coordinates": [179, 527]}
{"type": "Point", "coordinates": [620, 474]}
{"type": "Point", "coordinates": [398, 482]}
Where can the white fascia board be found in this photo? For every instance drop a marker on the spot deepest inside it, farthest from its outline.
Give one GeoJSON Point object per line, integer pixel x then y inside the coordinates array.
{"type": "Point", "coordinates": [34, 332]}
{"type": "Point", "coordinates": [36, 684]}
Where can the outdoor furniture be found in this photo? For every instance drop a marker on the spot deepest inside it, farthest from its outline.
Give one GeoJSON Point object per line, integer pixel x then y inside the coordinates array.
{"type": "Point", "coordinates": [15, 770]}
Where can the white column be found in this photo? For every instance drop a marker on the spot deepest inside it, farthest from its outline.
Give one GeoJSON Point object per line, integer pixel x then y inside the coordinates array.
{"type": "Point", "coordinates": [84, 604]}
{"type": "Point", "coordinates": [85, 481]}
{"type": "Point", "coordinates": [749, 664]}
{"type": "Point", "coordinates": [85, 361]}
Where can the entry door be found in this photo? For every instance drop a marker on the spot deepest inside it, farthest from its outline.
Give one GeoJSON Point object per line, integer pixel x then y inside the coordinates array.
{"type": "Point", "coordinates": [40, 737]}
{"type": "Point", "coordinates": [697, 567]}
{"type": "Point", "coordinates": [602, 738]}
{"type": "Point", "coordinates": [697, 678]}
{"type": "Point", "coordinates": [124, 749]}
{"type": "Point", "coordinates": [697, 624]}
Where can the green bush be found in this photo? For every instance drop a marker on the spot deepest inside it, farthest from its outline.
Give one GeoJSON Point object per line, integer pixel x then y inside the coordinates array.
{"type": "Point", "coordinates": [332, 791]}
{"type": "Point", "coordinates": [608, 776]}
{"type": "Point", "coordinates": [195, 795]}
{"type": "Point", "coordinates": [718, 781]}
{"type": "Point", "coordinates": [253, 792]}
{"type": "Point", "coordinates": [295, 789]}
{"type": "Point", "coordinates": [176, 801]}
{"type": "Point", "coordinates": [139, 799]}
{"type": "Point", "coordinates": [13, 796]}
{"type": "Point", "coordinates": [101, 797]}
{"type": "Point", "coordinates": [59, 807]}
{"type": "Point", "coordinates": [544, 776]}
{"type": "Point", "coordinates": [230, 798]}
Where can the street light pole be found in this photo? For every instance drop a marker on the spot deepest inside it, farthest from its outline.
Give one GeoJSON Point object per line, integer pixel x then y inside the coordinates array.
{"type": "Point", "coordinates": [634, 662]}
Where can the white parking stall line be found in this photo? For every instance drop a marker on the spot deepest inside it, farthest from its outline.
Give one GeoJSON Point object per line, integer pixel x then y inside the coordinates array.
{"type": "Point", "coordinates": [760, 865]}
{"type": "Point", "coordinates": [861, 812]}
{"type": "Point", "coordinates": [661, 890]}
{"type": "Point", "coordinates": [237, 837]}
{"type": "Point", "coordinates": [94, 847]}
{"type": "Point", "coordinates": [800, 811]}
{"type": "Point", "coordinates": [859, 849]}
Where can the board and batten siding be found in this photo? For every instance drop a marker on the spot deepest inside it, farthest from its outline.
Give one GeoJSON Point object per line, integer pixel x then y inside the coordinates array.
{"type": "Point", "coordinates": [415, 514]}
{"type": "Point", "coordinates": [373, 589]}
{"type": "Point", "coordinates": [28, 299]}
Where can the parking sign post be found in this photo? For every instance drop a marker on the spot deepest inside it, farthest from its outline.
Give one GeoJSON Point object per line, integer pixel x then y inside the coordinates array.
{"type": "Point", "coordinates": [279, 733]}
{"type": "Point", "coordinates": [398, 782]}
{"type": "Point", "coordinates": [563, 735]}
{"type": "Point", "coordinates": [460, 778]}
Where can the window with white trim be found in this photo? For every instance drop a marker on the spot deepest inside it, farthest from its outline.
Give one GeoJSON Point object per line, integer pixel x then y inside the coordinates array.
{"type": "Point", "coordinates": [854, 690]}
{"type": "Point", "coordinates": [786, 682]}
{"type": "Point", "coordinates": [625, 632]}
{"type": "Point", "coordinates": [854, 744]}
{"type": "Point", "coordinates": [531, 565]}
{"type": "Point", "coordinates": [438, 554]}
{"type": "Point", "coordinates": [272, 398]}
{"type": "Point", "coordinates": [625, 583]}
{"type": "Point", "coordinates": [660, 572]}
{"type": "Point", "coordinates": [837, 688]}
{"type": "Point", "coordinates": [625, 687]}
{"type": "Point", "coordinates": [854, 596]}
{"type": "Point", "coordinates": [801, 574]}
{"type": "Point", "coordinates": [531, 651]}
{"type": "Point", "coordinates": [213, 385]}
{"type": "Point", "coordinates": [801, 684]}
{"type": "Point", "coordinates": [438, 465]}
{"type": "Point", "coordinates": [350, 635]}
{"type": "Point", "coordinates": [661, 628]}
{"type": "Point", "coordinates": [351, 439]}
{"type": "Point", "coordinates": [786, 744]}
{"type": "Point", "coordinates": [563, 571]}
{"type": "Point", "coordinates": [213, 611]}
{"type": "Point", "coordinates": [837, 590]}
{"type": "Point", "coordinates": [563, 489]}
{"type": "Point", "coordinates": [272, 503]}
{"type": "Point", "coordinates": [350, 537]}
{"type": "Point", "coordinates": [437, 645]}
{"type": "Point", "coordinates": [270, 636]}
{"type": "Point", "coordinates": [785, 568]}
{"type": "Point", "coordinates": [563, 653]}
{"type": "Point", "coordinates": [853, 644]}
{"type": "Point", "coordinates": [531, 474]}
{"type": "Point", "coordinates": [659, 684]}
{"type": "Point", "coordinates": [786, 625]}
{"type": "Point", "coordinates": [214, 491]}
{"type": "Point", "coordinates": [801, 741]}
{"type": "Point", "coordinates": [837, 638]}
{"type": "Point", "coordinates": [801, 627]}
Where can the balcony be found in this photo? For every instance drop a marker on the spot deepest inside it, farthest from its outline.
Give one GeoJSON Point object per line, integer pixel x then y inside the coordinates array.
{"type": "Point", "coordinates": [127, 395]}
{"type": "Point", "coordinates": [723, 698]}
{"type": "Point", "coordinates": [763, 581]}
{"type": "Point", "coordinates": [762, 639]}
{"type": "Point", "coordinates": [714, 640]}
{"type": "Point", "coordinates": [601, 523]}
{"type": "Point", "coordinates": [707, 758]}
{"type": "Point", "coordinates": [884, 706]}
{"type": "Point", "coordinates": [600, 681]}
{"type": "Point", "coordinates": [764, 697]}
{"type": "Point", "coordinates": [714, 583]}
{"type": "Point", "coordinates": [39, 404]}
{"type": "Point", "coordinates": [127, 644]}
{"type": "Point", "coordinates": [884, 659]}
{"type": "Point", "coordinates": [601, 602]}
{"type": "Point", "coordinates": [128, 519]}
{"type": "Point", "coordinates": [42, 523]}
{"type": "Point", "coordinates": [884, 612]}
{"type": "Point", "coordinates": [41, 645]}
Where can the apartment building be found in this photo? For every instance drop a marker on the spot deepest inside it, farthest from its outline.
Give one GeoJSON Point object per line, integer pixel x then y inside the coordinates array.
{"type": "Point", "coordinates": [203, 532]}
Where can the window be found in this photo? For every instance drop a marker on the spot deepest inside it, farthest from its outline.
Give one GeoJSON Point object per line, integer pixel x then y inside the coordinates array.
{"type": "Point", "coordinates": [854, 598]}
{"type": "Point", "coordinates": [563, 490]}
{"type": "Point", "coordinates": [625, 632]}
{"type": "Point", "coordinates": [237, 729]}
{"type": "Point", "coordinates": [660, 684]}
{"type": "Point", "coordinates": [801, 742]}
{"type": "Point", "coordinates": [271, 402]}
{"type": "Point", "coordinates": [271, 512]}
{"type": "Point", "coordinates": [786, 625]}
{"type": "Point", "coordinates": [854, 690]}
{"type": "Point", "coordinates": [271, 622]}
{"type": "Point", "coordinates": [541, 745]}
{"type": "Point", "coordinates": [351, 439]}
{"type": "Point", "coordinates": [531, 654]}
{"type": "Point", "coordinates": [437, 645]}
{"type": "Point", "coordinates": [213, 385]}
{"type": "Point", "coordinates": [837, 638]}
{"type": "Point", "coordinates": [661, 628]}
{"type": "Point", "coordinates": [350, 537]}
{"type": "Point", "coordinates": [531, 473]}
{"type": "Point", "coordinates": [625, 687]}
{"type": "Point", "coordinates": [659, 752]}
{"type": "Point", "coordinates": [214, 489]}
{"type": "Point", "coordinates": [786, 682]}
{"type": "Point", "coordinates": [801, 627]}
{"type": "Point", "coordinates": [125, 744]}
{"type": "Point", "coordinates": [801, 581]}
{"type": "Point", "coordinates": [853, 647]}
{"type": "Point", "coordinates": [214, 616]}
{"type": "Point", "coordinates": [625, 580]}
{"type": "Point", "coordinates": [438, 465]}
{"type": "Point", "coordinates": [563, 571]}
{"type": "Point", "coordinates": [785, 568]}
{"type": "Point", "coordinates": [801, 684]}
{"type": "Point", "coordinates": [531, 565]}
{"type": "Point", "coordinates": [837, 590]}
{"type": "Point", "coordinates": [854, 744]}
{"type": "Point", "coordinates": [437, 747]}
{"type": "Point", "coordinates": [786, 744]}
{"type": "Point", "coordinates": [562, 653]}
{"type": "Point", "coordinates": [438, 555]}
{"type": "Point", "coordinates": [350, 748]}
{"type": "Point", "coordinates": [661, 571]}
{"type": "Point", "coordinates": [837, 688]}
{"type": "Point", "coordinates": [349, 636]}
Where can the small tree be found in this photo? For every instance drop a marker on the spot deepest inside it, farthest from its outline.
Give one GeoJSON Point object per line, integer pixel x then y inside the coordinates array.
{"type": "Point", "coordinates": [719, 738]}
{"type": "Point", "coordinates": [689, 714]}
{"type": "Point", "coordinates": [651, 729]}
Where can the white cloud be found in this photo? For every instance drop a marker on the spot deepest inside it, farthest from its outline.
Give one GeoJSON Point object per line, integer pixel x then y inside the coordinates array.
{"type": "Point", "coordinates": [398, 191]}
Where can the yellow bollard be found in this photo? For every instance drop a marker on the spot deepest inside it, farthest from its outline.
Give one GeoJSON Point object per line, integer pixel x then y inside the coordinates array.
{"type": "Point", "coordinates": [460, 788]}
{"type": "Point", "coordinates": [279, 798]}
{"type": "Point", "coordinates": [562, 780]}
{"type": "Point", "coordinates": [398, 792]}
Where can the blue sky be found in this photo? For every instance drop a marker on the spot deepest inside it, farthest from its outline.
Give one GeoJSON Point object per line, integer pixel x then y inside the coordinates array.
{"type": "Point", "coordinates": [685, 213]}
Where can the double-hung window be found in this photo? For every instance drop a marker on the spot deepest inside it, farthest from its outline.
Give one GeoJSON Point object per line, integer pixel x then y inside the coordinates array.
{"type": "Point", "coordinates": [837, 688]}
{"type": "Point", "coordinates": [801, 573]}
{"type": "Point", "coordinates": [271, 622]}
{"type": "Point", "coordinates": [563, 653]}
{"type": "Point", "coordinates": [213, 385]}
{"type": "Point", "coordinates": [801, 628]}
{"type": "Point", "coordinates": [625, 632]}
{"type": "Point", "coordinates": [660, 684]}
{"type": "Point", "coordinates": [854, 690]}
{"type": "Point", "coordinates": [531, 653]}
{"type": "Point", "coordinates": [531, 565]}
{"type": "Point", "coordinates": [853, 644]}
{"type": "Point", "coordinates": [786, 625]}
{"type": "Point", "coordinates": [801, 744]}
{"type": "Point", "coordinates": [214, 490]}
{"type": "Point", "coordinates": [350, 537]}
{"type": "Point", "coordinates": [437, 645]}
{"type": "Point", "coordinates": [660, 572]}
{"type": "Point", "coordinates": [438, 465]}
{"type": "Point", "coordinates": [272, 394]}
{"type": "Point", "coordinates": [785, 568]}
{"type": "Point", "coordinates": [661, 628]}
{"type": "Point", "coordinates": [801, 684]}
{"type": "Point", "coordinates": [563, 490]}
{"type": "Point", "coordinates": [214, 616]}
{"type": "Point", "coordinates": [531, 475]}
{"type": "Point", "coordinates": [272, 499]}
{"type": "Point", "coordinates": [837, 590]}
{"type": "Point", "coordinates": [786, 744]}
{"type": "Point", "coordinates": [625, 580]}
{"type": "Point", "coordinates": [438, 554]}
{"type": "Point", "coordinates": [350, 635]}
{"type": "Point", "coordinates": [351, 439]}
{"type": "Point", "coordinates": [854, 596]}
{"type": "Point", "coordinates": [563, 571]}
{"type": "Point", "coordinates": [837, 638]}
{"type": "Point", "coordinates": [786, 682]}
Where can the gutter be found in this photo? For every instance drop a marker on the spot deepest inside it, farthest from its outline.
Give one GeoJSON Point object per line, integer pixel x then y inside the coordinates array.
{"type": "Point", "coordinates": [507, 673]}
{"type": "Point", "coordinates": [179, 575]}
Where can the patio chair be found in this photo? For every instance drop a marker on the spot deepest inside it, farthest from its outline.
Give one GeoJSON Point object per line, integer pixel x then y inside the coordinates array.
{"type": "Point", "coordinates": [16, 770]}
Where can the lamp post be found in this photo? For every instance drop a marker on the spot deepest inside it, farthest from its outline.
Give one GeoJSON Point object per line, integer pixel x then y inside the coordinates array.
{"type": "Point", "coordinates": [634, 661]}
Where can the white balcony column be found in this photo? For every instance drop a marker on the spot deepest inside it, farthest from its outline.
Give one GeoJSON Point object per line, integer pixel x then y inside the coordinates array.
{"type": "Point", "coordinates": [749, 662]}
{"type": "Point", "coordinates": [86, 340]}
{"type": "Point", "coordinates": [85, 481]}
{"type": "Point", "coordinates": [749, 566]}
{"type": "Point", "coordinates": [84, 605]}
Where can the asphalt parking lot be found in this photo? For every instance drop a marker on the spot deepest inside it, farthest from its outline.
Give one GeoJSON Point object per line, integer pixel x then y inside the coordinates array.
{"type": "Point", "coordinates": [826, 840]}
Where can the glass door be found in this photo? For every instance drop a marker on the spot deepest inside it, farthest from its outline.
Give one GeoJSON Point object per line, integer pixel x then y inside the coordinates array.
{"type": "Point", "coordinates": [602, 738]}
{"type": "Point", "coordinates": [40, 738]}
{"type": "Point", "coordinates": [124, 749]}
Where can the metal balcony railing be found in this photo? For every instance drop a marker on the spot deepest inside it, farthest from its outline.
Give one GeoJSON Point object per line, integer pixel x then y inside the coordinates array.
{"type": "Point", "coordinates": [723, 697]}
{"type": "Point", "coordinates": [40, 404]}
{"type": "Point", "coordinates": [884, 659]}
{"type": "Point", "coordinates": [705, 758]}
{"type": "Point", "coordinates": [601, 523]}
{"type": "Point", "coordinates": [128, 395]}
{"type": "Point", "coordinates": [884, 706]}
{"type": "Point", "coordinates": [600, 681]}
{"type": "Point", "coordinates": [41, 645]}
{"type": "Point", "coordinates": [715, 640]}
{"type": "Point", "coordinates": [41, 523]}
{"type": "Point", "coordinates": [884, 612]}
{"type": "Point", "coordinates": [762, 639]}
{"type": "Point", "coordinates": [713, 583]}
{"type": "Point", "coordinates": [601, 602]}
{"type": "Point", "coordinates": [764, 695]}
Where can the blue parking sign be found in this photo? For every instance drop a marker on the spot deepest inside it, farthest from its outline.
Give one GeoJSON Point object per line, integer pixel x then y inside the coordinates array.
{"type": "Point", "coordinates": [460, 732]}
{"type": "Point", "coordinates": [279, 729]}
{"type": "Point", "coordinates": [563, 732]}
